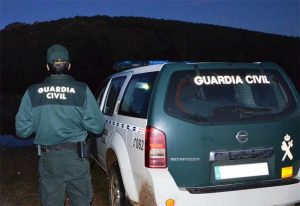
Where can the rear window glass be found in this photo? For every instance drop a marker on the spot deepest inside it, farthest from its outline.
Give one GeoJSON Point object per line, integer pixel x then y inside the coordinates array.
{"type": "Point", "coordinates": [227, 96]}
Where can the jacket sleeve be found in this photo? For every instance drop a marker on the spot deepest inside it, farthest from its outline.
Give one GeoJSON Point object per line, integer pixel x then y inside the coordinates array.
{"type": "Point", "coordinates": [24, 118]}
{"type": "Point", "coordinates": [93, 117]}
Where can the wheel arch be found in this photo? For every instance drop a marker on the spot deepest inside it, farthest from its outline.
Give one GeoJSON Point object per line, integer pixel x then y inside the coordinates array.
{"type": "Point", "coordinates": [117, 152]}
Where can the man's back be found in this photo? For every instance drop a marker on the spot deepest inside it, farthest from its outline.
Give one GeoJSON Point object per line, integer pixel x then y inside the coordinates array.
{"type": "Point", "coordinates": [59, 110]}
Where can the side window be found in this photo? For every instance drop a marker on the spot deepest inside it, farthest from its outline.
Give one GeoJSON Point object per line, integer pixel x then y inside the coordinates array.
{"type": "Point", "coordinates": [101, 90]}
{"type": "Point", "coordinates": [136, 99]}
{"type": "Point", "coordinates": [114, 90]}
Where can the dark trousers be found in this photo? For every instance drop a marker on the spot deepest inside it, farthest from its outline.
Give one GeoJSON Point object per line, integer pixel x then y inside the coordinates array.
{"type": "Point", "coordinates": [63, 172]}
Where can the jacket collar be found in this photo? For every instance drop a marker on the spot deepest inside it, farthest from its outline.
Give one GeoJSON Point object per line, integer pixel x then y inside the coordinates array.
{"type": "Point", "coordinates": [59, 77]}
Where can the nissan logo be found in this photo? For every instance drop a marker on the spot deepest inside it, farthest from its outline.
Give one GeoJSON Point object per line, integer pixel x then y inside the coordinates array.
{"type": "Point", "coordinates": [242, 136]}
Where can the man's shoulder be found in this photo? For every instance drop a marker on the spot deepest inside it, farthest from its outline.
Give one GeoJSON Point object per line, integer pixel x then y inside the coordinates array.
{"type": "Point", "coordinates": [75, 82]}
{"type": "Point", "coordinates": [35, 86]}
{"type": "Point", "coordinates": [82, 84]}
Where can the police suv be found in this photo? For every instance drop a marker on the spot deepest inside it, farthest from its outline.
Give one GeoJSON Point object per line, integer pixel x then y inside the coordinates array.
{"type": "Point", "coordinates": [200, 134]}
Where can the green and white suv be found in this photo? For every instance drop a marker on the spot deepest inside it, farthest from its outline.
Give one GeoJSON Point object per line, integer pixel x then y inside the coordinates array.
{"type": "Point", "coordinates": [201, 134]}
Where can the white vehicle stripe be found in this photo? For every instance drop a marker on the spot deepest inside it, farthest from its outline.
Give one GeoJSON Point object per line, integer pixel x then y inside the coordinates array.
{"type": "Point", "coordinates": [133, 128]}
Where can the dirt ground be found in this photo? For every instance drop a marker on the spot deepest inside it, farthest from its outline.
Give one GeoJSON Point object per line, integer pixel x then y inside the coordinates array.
{"type": "Point", "coordinates": [19, 179]}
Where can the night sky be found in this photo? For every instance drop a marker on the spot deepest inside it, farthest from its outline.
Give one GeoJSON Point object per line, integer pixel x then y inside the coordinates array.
{"type": "Point", "coordinates": [270, 16]}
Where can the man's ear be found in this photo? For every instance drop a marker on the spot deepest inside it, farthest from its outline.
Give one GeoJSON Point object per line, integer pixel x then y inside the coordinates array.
{"type": "Point", "coordinates": [69, 67]}
{"type": "Point", "coordinates": [48, 69]}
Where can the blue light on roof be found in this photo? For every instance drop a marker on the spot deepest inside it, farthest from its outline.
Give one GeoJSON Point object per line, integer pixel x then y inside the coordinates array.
{"type": "Point", "coordinates": [153, 62]}
{"type": "Point", "coordinates": [123, 65]}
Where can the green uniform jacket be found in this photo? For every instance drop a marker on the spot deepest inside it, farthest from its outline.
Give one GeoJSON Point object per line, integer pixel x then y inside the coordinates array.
{"type": "Point", "coordinates": [58, 110]}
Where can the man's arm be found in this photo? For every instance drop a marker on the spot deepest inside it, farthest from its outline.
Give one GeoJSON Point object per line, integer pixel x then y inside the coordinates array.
{"type": "Point", "coordinates": [93, 117]}
{"type": "Point", "coordinates": [24, 118]}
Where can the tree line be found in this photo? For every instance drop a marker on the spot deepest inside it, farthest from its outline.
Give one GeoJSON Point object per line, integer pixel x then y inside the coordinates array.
{"type": "Point", "coordinates": [96, 43]}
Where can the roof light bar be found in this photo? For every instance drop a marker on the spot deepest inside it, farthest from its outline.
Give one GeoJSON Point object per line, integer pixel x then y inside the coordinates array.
{"type": "Point", "coordinates": [123, 65]}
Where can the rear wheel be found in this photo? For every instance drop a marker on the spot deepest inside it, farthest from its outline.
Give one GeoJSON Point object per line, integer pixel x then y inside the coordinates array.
{"type": "Point", "coordinates": [116, 191]}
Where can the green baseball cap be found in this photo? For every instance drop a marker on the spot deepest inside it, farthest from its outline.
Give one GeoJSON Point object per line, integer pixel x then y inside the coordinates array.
{"type": "Point", "coordinates": [57, 53]}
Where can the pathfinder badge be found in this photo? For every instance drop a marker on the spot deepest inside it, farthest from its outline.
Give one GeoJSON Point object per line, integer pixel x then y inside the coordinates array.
{"type": "Point", "coordinates": [286, 145]}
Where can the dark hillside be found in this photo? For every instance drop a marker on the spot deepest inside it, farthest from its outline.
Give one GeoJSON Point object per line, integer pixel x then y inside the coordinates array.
{"type": "Point", "coordinates": [95, 43]}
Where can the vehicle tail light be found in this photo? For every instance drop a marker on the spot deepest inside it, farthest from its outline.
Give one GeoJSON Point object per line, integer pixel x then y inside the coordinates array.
{"type": "Point", "coordinates": [155, 148]}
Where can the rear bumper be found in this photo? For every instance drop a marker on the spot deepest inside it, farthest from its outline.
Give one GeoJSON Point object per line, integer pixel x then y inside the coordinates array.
{"type": "Point", "coordinates": [165, 188]}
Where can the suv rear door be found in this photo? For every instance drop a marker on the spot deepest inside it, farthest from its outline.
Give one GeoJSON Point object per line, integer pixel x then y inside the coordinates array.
{"type": "Point", "coordinates": [132, 117]}
{"type": "Point", "coordinates": [235, 125]}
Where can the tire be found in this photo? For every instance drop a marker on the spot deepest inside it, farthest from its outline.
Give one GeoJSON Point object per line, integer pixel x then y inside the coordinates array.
{"type": "Point", "coordinates": [116, 191]}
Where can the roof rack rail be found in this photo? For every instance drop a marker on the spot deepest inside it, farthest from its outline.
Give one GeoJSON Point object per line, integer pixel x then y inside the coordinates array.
{"type": "Point", "coordinates": [124, 65]}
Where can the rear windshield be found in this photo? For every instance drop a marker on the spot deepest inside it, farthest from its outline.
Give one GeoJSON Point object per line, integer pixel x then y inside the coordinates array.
{"type": "Point", "coordinates": [227, 96]}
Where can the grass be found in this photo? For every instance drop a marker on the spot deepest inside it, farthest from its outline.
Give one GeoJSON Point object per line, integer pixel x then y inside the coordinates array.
{"type": "Point", "coordinates": [19, 179]}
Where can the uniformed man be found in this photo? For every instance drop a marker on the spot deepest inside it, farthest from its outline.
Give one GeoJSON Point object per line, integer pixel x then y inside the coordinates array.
{"type": "Point", "coordinates": [60, 112]}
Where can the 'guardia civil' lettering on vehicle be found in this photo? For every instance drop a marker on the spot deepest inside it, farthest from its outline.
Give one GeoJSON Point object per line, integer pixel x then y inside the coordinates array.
{"type": "Point", "coordinates": [180, 134]}
{"type": "Point", "coordinates": [249, 79]}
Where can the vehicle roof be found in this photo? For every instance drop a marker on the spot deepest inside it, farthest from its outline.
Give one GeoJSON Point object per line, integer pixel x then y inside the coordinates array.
{"type": "Point", "coordinates": [204, 65]}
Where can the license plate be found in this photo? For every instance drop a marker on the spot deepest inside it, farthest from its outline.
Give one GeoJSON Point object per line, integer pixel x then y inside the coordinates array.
{"type": "Point", "coordinates": [241, 170]}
